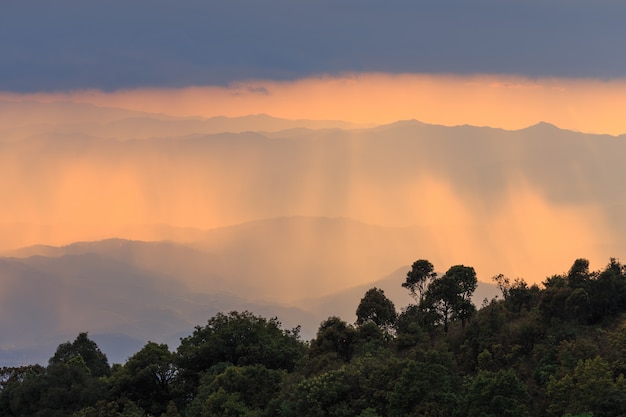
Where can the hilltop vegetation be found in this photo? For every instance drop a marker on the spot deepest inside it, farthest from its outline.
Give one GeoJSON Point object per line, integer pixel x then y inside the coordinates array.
{"type": "Point", "coordinates": [551, 350]}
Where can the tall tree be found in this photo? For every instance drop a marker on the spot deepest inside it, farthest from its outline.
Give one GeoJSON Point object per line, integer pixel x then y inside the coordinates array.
{"type": "Point", "coordinates": [418, 279]}
{"type": "Point", "coordinates": [87, 349]}
{"type": "Point", "coordinates": [449, 296]}
{"type": "Point", "coordinates": [441, 299]}
{"type": "Point", "coordinates": [375, 307]}
{"type": "Point", "coordinates": [579, 275]}
{"type": "Point", "coordinates": [466, 282]}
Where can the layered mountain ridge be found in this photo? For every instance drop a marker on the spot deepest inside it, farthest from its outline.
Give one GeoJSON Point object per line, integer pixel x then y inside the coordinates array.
{"type": "Point", "coordinates": [133, 291]}
{"type": "Point", "coordinates": [182, 217]}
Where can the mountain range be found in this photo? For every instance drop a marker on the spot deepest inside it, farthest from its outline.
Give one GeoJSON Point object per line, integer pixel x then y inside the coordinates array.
{"type": "Point", "coordinates": [137, 226]}
{"type": "Point", "coordinates": [128, 292]}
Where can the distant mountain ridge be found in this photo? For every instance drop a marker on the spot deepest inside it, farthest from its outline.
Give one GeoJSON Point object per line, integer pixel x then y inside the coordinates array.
{"type": "Point", "coordinates": [19, 120]}
{"type": "Point", "coordinates": [282, 253]}
{"type": "Point", "coordinates": [287, 218]}
{"type": "Point", "coordinates": [48, 300]}
{"type": "Point", "coordinates": [133, 291]}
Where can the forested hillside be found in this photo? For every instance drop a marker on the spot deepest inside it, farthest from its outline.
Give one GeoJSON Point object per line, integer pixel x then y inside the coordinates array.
{"type": "Point", "coordinates": [552, 350]}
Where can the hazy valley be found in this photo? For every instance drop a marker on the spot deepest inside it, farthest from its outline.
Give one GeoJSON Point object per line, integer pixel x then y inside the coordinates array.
{"type": "Point", "coordinates": [135, 226]}
{"type": "Point", "coordinates": [127, 292]}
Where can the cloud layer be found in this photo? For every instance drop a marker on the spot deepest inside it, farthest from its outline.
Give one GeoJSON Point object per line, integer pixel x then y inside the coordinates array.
{"type": "Point", "coordinates": [69, 44]}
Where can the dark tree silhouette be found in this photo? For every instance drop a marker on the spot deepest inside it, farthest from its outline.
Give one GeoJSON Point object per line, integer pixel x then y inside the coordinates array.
{"type": "Point", "coordinates": [375, 307]}
{"type": "Point", "coordinates": [418, 279]}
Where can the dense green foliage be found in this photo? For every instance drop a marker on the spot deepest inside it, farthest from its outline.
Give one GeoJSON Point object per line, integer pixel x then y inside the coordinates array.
{"type": "Point", "coordinates": [556, 350]}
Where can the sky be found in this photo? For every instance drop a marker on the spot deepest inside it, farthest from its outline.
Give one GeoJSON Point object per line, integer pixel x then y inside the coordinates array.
{"type": "Point", "coordinates": [72, 44]}
{"type": "Point", "coordinates": [496, 63]}
{"type": "Point", "coordinates": [507, 64]}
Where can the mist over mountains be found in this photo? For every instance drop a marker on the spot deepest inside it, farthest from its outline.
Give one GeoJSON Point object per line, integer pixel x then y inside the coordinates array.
{"type": "Point", "coordinates": [128, 292]}
{"type": "Point", "coordinates": [136, 227]}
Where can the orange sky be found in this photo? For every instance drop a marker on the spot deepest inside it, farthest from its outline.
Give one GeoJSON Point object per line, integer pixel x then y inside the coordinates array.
{"type": "Point", "coordinates": [587, 105]}
{"type": "Point", "coordinates": [527, 233]}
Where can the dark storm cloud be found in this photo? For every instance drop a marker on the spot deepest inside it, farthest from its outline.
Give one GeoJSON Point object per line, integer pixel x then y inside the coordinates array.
{"type": "Point", "coordinates": [70, 44]}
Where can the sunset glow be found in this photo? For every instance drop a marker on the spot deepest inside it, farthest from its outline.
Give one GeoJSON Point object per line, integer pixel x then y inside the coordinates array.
{"type": "Point", "coordinates": [75, 174]}
{"type": "Point", "coordinates": [506, 102]}
{"type": "Point", "coordinates": [161, 162]}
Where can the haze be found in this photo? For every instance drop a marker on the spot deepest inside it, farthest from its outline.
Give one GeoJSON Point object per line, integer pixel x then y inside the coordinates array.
{"type": "Point", "coordinates": [160, 162]}
{"type": "Point", "coordinates": [521, 202]}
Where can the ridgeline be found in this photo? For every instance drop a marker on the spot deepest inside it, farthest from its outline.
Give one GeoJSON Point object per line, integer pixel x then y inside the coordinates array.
{"type": "Point", "coordinates": [553, 350]}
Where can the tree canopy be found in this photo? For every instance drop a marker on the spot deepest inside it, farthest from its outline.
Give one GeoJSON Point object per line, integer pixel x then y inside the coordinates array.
{"type": "Point", "coordinates": [88, 350]}
{"type": "Point", "coordinates": [375, 307]}
{"type": "Point", "coordinates": [555, 351]}
{"type": "Point", "coordinates": [418, 278]}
